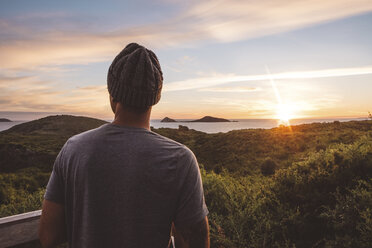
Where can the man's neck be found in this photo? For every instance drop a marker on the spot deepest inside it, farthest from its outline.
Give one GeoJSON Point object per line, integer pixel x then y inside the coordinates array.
{"type": "Point", "coordinates": [126, 118]}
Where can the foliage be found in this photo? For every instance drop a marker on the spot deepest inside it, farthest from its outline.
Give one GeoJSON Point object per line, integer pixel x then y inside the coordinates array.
{"type": "Point", "coordinates": [325, 200]}
{"type": "Point", "coordinates": [21, 201]}
{"type": "Point", "coordinates": [22, 191]}
{"type": "Point", "coordinates": [351, 218]}
{"type": "Point", "coordinates": [308, 186]}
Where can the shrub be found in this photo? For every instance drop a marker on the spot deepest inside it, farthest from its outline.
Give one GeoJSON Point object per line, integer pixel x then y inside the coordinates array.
{"type": "Point", "coordinates": [21, 202]}
{"type": "Point", "coordinates": [268, 167]}
{"type": "Point", "coordinates": [183, 128]}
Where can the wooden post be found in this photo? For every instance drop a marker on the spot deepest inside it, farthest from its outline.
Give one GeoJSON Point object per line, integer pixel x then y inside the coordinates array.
{"type": "Point", "coordinates": [19, 229]}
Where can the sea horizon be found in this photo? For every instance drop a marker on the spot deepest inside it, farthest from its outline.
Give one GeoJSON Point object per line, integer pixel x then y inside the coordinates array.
{"type": "Point", "coordinates": [215, 127]}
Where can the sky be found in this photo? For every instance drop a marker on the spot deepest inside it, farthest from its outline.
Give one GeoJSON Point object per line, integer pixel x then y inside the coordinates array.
{"type": "Point", "coordinates": [232, 59]}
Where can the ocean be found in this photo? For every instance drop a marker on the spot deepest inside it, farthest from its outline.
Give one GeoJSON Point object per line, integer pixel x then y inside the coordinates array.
{"type": "Point", "coordinates": [216, 127]}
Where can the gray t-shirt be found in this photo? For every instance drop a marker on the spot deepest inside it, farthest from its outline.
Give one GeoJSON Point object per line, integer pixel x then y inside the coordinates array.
{"type": "Point", "coordinates": [123, 187]}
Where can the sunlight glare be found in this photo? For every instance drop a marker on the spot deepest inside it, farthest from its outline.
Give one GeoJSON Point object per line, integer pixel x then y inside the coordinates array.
{"type": "Point", "coordinates": [284, 113]}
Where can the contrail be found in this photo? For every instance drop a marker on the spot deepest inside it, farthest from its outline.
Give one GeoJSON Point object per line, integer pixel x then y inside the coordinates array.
{"type": "Point", "coordinates": [219, 79]}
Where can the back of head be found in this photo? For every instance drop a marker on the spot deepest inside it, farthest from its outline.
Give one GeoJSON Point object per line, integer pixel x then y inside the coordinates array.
{"type": "Point", "coordinates": [135, 78]}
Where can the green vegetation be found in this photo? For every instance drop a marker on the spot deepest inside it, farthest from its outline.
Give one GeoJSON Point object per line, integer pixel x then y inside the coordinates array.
{"type": "Point", "coordinates": [243, 151]}
{"type": "Point", "coordinates": [323, 201]}
{"type": "Point", "coordinates": [308, 186]}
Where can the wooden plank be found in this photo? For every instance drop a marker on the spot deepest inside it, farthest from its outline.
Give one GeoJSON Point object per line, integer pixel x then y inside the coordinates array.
{"type": "Point", "coordinates": [19, 229]}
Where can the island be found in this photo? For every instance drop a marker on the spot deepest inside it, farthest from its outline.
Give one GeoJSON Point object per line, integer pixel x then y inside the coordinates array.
{"type": "Point", "coordinates": [211, 119]}
{"type": "Point", "coordinates": [166, 119]}
{"type": "Point", "coordinates": [5, 120]}
{"type": "Point", "coordinates": [204, 119]}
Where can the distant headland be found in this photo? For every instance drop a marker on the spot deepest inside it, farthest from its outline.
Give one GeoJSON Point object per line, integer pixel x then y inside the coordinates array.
{"type": "Point", "coordinates": [204, 119]}
{"type": "Point", "coordinates": [5, 120]}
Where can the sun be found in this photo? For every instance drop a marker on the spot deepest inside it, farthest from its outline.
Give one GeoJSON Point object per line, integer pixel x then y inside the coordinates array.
{"type": "Point", "coordinates": [284, 113]}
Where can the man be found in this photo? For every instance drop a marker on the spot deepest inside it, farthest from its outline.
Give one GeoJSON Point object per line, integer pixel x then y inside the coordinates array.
{"type": "Point", "coordinates": [122, 185]}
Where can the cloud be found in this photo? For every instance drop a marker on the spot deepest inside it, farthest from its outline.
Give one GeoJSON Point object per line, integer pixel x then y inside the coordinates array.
{"type": "Point", "coordinates": [241, 108]}
{"type": "Point", "coordinates": [21, 83]}
{"type": "Point", "coordinates": [218, 79]}
{"type": "Point", "coordinates": [265, 104]}
{"type": "Point", "coordinates": [7, 79]}
{"type": "Point", "coordinates": [24, 46]}
{"type": "Point", "coordinates": [230, 89]}
{"type": "Point", "coordinates": [231, 20]}
{"type": "Point", "coordinates": [98, 88]}
{"type": "Point", "coordinates": [32, 94]}
{"type": "Point", "coordinates": [184, 60]}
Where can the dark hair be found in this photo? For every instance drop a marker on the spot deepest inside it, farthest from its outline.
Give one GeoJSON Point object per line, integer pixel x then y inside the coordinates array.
{"type": "Point", "coordinates": [133, 109]}
{"type": "Point", "coordinates": [137, 110]}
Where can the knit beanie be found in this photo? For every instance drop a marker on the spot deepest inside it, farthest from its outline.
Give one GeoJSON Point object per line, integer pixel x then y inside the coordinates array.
{"type": "Point", "coordinates": [135, 78]}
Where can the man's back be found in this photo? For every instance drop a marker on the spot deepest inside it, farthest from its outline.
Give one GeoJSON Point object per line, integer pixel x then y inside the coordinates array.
{"type": "Point", "coordinates": [123, 187]}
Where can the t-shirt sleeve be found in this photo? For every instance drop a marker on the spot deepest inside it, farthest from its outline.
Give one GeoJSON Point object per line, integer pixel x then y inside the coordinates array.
{"type": "Point", "coordinates": [191, 207]}
{"type": "Point", "coordinates": [55, 188]}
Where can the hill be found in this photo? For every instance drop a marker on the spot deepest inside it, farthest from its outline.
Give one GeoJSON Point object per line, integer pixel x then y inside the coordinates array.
{"type": "Point", "coordinates": [37, 143]}
{"type": "Point", "coordinates": [5, 120]}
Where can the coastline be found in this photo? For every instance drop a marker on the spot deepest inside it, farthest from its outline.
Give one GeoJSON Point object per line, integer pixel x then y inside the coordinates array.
{"type": "Point", "coordinates": [216, 127]}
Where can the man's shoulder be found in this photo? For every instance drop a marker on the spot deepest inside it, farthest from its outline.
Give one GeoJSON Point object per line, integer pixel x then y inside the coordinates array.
{"type": "Point", "coordinates": [166, 140]}
{"type": "Point", "coordinates": [85, 137]}
{"type": "Point", "coordinates": [171, 143]}
{"type": "Point", "coordinates": [176, 150]}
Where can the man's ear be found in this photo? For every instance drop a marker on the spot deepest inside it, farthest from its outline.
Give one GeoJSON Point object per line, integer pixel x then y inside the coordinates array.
{"type": "Point", "coordinates": [113, 104]}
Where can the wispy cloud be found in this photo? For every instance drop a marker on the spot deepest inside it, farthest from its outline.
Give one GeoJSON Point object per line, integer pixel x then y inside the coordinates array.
{"type": "Point", "coordinates": [265, 106]}
{"type": "Point", "coordinates": [32, 94]}
{"type": "Point", "coordinates": [231, 89]}
{"type": "Point", "coordinates": [231, 20]}
{"type": "Point", "coordinates": [23, 46]}
{"type": "Point", "coordinates": [218, 79]}
{"type": "Point", "coordinates": [98, 88]}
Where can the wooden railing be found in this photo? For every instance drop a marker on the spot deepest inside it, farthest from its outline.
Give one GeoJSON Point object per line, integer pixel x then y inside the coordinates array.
{"type": "Point", "coordinates": [19, 229]}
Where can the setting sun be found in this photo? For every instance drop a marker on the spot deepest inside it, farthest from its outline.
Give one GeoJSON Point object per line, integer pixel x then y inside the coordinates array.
{"type": "Point", "coordinates": [284, 113]}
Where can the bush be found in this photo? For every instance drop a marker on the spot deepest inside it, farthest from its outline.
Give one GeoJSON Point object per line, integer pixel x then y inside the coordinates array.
{"type": "Point", "coordinates": [268, 167]}
{"type": "Point", "coordinates": [183, 128]}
